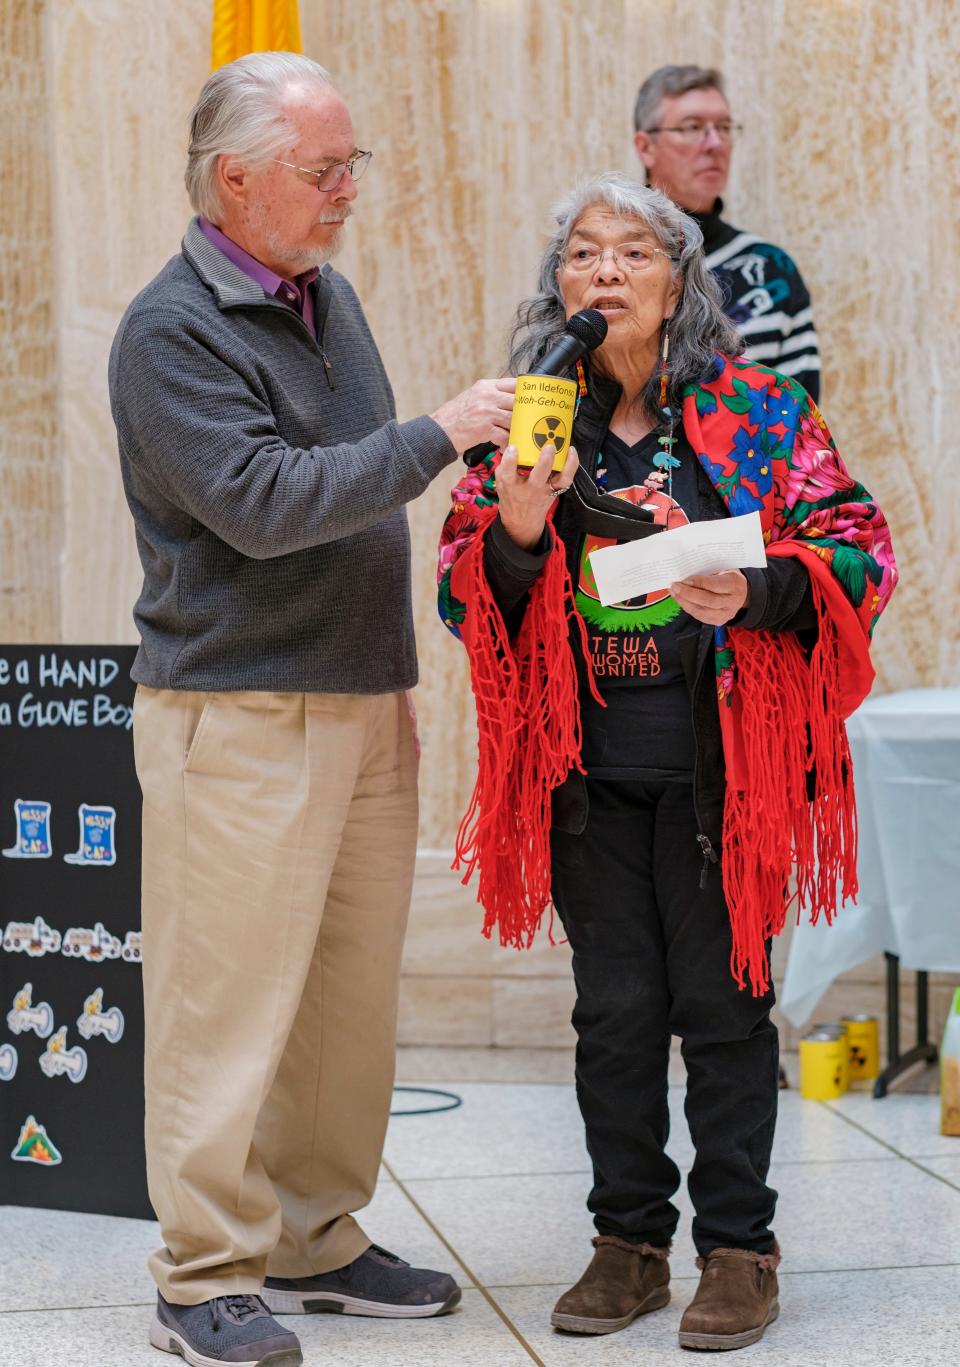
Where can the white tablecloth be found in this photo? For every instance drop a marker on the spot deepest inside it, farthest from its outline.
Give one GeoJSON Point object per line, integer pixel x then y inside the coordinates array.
{"type": "Point", "coordinates": [906, 757]}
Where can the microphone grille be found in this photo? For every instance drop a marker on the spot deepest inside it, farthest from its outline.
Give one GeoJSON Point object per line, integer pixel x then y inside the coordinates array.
{"type": "Point", "coordinates": [589, 325]}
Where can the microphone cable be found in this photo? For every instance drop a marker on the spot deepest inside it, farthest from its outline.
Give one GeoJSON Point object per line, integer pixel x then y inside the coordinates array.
{"type": "Point", "coordinates": [451, 1100]}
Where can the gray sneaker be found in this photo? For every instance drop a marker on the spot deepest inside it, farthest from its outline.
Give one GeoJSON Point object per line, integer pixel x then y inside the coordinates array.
{"type": "Point", "coordinates": [377, 1283]}
{"type": "Point", "coordinates": [233, 1329]}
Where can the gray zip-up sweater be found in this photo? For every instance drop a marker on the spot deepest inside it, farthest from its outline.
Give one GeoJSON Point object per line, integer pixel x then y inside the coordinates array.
{"type": "Point", "coordinates": [267, 486]}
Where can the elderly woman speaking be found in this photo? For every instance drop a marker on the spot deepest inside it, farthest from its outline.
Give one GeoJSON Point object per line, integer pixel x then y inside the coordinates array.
{"type": "Point", "coordinates": [690, 742]}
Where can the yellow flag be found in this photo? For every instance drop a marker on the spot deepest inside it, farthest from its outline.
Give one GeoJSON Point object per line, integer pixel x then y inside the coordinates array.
{"type": "Point", "coordinates": [241, 26]}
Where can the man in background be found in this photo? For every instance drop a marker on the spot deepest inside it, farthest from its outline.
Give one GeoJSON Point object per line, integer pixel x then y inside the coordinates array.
{"type": "Point", "coordinates": [684, 137]}
{"type": "Point", "coordinates": [268, 476]}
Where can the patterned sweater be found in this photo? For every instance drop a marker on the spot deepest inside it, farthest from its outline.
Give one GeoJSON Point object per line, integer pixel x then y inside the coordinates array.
{"type": "Point", "coordinates": [765, 297]}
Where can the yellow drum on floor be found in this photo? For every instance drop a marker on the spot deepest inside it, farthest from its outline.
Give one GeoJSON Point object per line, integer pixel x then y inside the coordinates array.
{"type": "Point", "coordinates": [863, 1038]}
{"type": "Point", "coordinates": [824, 1063]}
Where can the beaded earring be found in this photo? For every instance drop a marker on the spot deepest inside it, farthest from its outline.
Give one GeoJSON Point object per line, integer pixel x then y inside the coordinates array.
{"type": "Point", "coordinates": [665, 459]}
{"type": "Point", "coordinates": [581, 387]}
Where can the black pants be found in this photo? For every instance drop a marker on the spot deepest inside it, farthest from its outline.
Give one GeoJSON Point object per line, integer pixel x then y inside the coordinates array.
{"type": "Point", "coordinates": [651, 959]}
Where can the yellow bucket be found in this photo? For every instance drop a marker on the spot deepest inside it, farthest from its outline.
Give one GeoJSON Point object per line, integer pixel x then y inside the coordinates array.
{"type": "Point", "coordinates": [824, 1063]}
{"type": "Point", "coordinates": [863, 1037]}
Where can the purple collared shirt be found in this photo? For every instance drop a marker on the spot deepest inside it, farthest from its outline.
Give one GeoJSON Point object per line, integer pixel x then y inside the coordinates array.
{"type": "Point", "coordinates": [293, 293]}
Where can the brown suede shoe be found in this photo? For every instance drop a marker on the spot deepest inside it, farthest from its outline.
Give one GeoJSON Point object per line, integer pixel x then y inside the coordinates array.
{"type": "Point", "coordinates": [735, 1301]}
{"type": "Point", "coordinates": [623, 1281]}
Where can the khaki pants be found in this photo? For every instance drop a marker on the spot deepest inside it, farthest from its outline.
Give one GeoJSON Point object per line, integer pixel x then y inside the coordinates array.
{"type": "Point", "coordinates": [279, 838]}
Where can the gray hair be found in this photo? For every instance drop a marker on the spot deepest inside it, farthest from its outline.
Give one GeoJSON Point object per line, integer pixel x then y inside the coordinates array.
{"type": "Point", "coordinates": [699, 329]}
{"type": "Point", "coordinates": [671, 80]}
{"type": "Point", "coordinates": [240, 111]}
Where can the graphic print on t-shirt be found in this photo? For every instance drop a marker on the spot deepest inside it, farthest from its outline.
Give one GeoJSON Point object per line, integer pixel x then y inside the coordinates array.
{"type": "Point", "coordinates": [637, 642]}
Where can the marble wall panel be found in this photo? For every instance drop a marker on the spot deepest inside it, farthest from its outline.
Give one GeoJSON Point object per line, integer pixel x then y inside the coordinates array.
{"type": "Point", "coordinates": [446, 1010]}
{"type": "Point", "coordinates": [30, 468]}
{"type": "Point", "coordinates": [123, 79]}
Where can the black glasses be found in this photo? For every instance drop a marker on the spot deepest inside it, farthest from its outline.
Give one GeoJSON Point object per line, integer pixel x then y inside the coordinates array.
{"type": "Point", "coordinates": [330, 177]}
{"type": "Point", "coordinates": [695, 130]}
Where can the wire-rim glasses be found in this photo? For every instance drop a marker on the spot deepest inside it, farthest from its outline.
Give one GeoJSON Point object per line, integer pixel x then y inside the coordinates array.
{"type": "Point", "coordinates": [329, 177]}
{"type": "Point", "coordinates": [632, 256]}
{"type": "Point", "coordinates": [695, 130]}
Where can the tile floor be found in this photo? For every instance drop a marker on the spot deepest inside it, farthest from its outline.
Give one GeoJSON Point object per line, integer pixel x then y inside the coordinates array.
{"type": "Point", "coordinates": [869, 1221]}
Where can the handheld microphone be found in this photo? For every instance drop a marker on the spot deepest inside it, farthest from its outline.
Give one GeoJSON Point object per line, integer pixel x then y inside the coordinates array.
{"type": "Point", "coordinates": [583, 332]}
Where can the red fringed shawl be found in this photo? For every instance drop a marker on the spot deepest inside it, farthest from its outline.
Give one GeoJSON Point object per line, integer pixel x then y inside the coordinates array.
{"type": "Point", "coordinates": [790, 805]}
{"type": "Point", "coordinates": [528, 724]}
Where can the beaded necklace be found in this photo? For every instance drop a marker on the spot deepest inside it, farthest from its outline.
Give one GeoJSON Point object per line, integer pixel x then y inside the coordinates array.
{"type": "Point", "coordinates": [665, 462]}
{"type": "Point", "coordinates": [665, 459]}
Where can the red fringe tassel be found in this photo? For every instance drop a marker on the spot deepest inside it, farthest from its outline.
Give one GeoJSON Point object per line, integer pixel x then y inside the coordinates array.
{"type": "Point", "coordinates": [529, 738]}
{"type": "Point", "coordinates": [792, 734]}
{"type": "Point", "coordinates": [784, 739]}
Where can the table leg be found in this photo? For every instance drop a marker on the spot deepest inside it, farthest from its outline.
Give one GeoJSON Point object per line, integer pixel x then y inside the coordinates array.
{"type": "Point", "coordinates": [922, 999]}
{"type": "Point", "coordinates": [893, 1009]}
{"type": "Point", "coordinates": [924, 1051]}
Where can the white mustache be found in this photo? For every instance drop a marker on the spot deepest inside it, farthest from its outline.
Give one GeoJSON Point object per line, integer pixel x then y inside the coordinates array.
{"type": "Point", "coordinates": [340, 217]}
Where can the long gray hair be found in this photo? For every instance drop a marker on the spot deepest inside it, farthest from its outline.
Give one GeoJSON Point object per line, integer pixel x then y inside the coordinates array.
{"type": "Point", "coordinates": [699, 329]}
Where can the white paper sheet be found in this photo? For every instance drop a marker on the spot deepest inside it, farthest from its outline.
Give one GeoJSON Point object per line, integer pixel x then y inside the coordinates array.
{"type": "Point", "coordinates": [655, 562]}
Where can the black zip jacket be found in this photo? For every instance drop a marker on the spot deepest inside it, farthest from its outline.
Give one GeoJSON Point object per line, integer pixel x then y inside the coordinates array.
{"type": "Point", "coordinates": [780, 600]}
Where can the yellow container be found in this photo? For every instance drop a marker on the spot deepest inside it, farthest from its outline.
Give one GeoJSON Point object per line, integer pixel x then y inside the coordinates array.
{"type": "Point", "coordinates": [543, 409]}
{"type": "Point", "coordinates": [863, 1037]}
{"type": "Point", "coordinates": [824, 1063]}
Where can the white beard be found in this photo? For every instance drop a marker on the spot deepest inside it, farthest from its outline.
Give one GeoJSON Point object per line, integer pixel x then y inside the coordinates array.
{"type": "Point", "coordinates": [307, 257]}
{"type": "Point", "coordinates": [304, 258]}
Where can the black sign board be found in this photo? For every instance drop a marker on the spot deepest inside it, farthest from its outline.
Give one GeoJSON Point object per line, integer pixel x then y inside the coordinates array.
{"type": "Point", "coordinates": [71, 1003]}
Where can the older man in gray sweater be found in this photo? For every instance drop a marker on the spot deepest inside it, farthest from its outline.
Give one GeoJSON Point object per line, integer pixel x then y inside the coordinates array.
{"type": "Point", "coordinates": [267, 476]}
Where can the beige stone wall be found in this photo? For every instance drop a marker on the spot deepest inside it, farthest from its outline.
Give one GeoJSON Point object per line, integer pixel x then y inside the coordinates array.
{"type": "Point", "coordinates": [30, 468]}
{"type": "Point", "coordinates": [123, 77]}
{"type": "Point", "coordinates": [481, 112]}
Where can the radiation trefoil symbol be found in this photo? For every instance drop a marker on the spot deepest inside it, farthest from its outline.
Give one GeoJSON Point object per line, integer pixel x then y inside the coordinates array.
{"type": "Point", "coordinates": [550, 430]}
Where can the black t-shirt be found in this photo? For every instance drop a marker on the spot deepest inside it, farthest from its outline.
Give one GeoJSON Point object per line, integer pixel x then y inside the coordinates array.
{"type": "Point", "coordinates": [634, 646]}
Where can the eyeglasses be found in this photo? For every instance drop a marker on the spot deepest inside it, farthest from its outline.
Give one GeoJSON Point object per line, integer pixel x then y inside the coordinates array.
{"type": "Point", "coordinates": [330, 177]}
{"type": "Point", "coordinates": [695, 130]}
{"type": "Point", "coordinates": [632, 256]}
